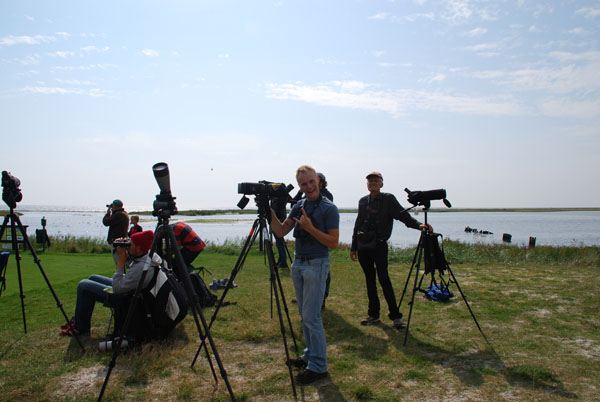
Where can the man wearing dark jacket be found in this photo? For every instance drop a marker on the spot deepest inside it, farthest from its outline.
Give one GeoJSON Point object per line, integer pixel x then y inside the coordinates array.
{"type": "Point", "coordinates": [117, 221]}
{"type": "Point", "coordinates": [372, 229]}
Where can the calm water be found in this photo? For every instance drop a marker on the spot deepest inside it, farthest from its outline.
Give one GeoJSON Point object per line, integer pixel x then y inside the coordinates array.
{"type": "Point", "coordinates": [549, 228]}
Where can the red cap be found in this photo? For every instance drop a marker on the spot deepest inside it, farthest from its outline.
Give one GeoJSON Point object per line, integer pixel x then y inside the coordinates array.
{"type": "Point", "coordinates": [143, 240]}
{"type": "Point", "coordinates": [375, 174]}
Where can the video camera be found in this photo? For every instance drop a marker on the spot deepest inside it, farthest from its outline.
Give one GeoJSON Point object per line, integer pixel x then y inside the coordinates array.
{"type": "Point", "coordinates": [164, 205]}
{"type": "Point", "coordinates": [425, 197]}
{"type": "Point", "coordinates": [11, 193]}
{"type": "Point", "coordinates": [264, 191]}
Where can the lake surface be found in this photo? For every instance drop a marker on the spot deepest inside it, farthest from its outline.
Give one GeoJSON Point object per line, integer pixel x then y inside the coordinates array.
{"type": "Point", "coordinates": [573, 228]}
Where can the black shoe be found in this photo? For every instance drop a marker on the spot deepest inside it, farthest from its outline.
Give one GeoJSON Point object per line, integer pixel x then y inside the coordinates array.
{"type": "Point", "coordinates": [398, 324]}
{"type": "Point", "coordinates": [309, 376]}
{"type": "Point", "coordinates": [299, 362]}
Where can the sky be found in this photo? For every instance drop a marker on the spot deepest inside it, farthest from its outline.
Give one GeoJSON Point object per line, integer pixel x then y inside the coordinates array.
{"type": "Point", "coordinates": [498, 102]}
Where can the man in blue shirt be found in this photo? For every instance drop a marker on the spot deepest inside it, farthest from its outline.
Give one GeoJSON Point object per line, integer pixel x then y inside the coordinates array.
{"type": "Point", "coordinates": [315, 221]}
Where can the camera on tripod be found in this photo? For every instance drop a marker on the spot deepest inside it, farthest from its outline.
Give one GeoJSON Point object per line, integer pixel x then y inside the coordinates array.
{"type": "Point", "coordinates": [424, 198]}
{"type": "Point", "coordinates": [264, 191]}
{"type": "Point", "coordinates": [164, 205]}
{"type": "Point", "coordinates": [11, 193]}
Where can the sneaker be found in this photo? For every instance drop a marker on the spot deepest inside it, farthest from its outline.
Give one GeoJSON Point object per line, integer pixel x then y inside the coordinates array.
{"type": "Point", "coordinates": [370, 320]}
{"type": "Point", "coordinates": [309, 376]}
{"type": "Point", "coordinates": [298, 362]}
{"type": "Point", "coordinates": [398, 324]}
{"type": "Point", "coordinates": [67, 324]}
{"type": "Point", "coordinates": [71, 331]}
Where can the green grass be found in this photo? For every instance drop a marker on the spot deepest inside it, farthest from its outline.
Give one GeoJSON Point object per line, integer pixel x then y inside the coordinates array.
{"type": "Point", "coordinates": [538, 307]}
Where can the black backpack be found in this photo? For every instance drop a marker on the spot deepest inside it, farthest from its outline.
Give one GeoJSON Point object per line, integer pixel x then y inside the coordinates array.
{"type": "Point", "coordinates": [165, 302]}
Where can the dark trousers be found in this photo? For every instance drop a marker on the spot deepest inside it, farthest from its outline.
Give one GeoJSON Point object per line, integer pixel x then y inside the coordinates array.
{"type": "Point", "coordinates": [188, 256]}
{"type": "Point", "coordinates": [281, 251]}
{"type": "Point", "coordinates": [374, 264]}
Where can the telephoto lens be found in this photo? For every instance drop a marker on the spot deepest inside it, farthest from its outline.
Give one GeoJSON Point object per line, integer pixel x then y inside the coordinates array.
{"type": "Point", "coordinates": [107, 346]}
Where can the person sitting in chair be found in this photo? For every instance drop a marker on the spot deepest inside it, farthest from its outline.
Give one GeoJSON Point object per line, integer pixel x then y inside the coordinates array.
{"type": "Point", "coordinates": [111, 291]}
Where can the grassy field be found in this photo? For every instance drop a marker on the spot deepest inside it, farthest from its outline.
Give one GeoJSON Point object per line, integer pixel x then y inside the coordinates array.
{"type": "Point", "coordinates": [538, 307]}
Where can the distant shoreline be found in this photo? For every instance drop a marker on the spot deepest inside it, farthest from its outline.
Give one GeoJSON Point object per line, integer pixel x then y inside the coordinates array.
{"type": "Point", "coordinates": [208, 212]}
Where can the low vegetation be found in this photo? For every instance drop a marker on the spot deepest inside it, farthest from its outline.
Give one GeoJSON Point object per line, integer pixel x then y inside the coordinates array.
{"type": "Point", "coordinates": [538, 308]}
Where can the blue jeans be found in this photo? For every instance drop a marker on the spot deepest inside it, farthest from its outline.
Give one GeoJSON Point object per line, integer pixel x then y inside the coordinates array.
{"type": "Point", "coordinates": [309, 283]}
{"type": "Point", "coordinates": [90, 291]}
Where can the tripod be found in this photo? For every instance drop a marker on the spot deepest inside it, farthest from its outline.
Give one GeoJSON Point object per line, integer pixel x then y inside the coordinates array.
{"type": "Point", "coordinates": [427, 246]}
{"type": "Point", "coordinates": [165, 233]}
{"type": "Point", "coordinates": [260, 227]}
{"type": "Point", "coordinates": [14, 223]}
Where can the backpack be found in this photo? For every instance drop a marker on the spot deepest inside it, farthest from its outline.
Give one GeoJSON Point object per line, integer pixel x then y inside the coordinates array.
{"type": "Point", "coordinates": [165, 302]}
{"type": "Point", "coordinates": [205, 296]}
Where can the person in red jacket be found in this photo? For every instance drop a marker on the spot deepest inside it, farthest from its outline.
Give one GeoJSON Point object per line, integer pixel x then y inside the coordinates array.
{"type": "Point", "coordinates": [189, 242]}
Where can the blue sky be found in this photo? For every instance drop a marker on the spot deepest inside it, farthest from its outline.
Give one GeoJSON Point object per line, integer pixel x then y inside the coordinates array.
{"type": "Point", "coordinates": [498, 102]}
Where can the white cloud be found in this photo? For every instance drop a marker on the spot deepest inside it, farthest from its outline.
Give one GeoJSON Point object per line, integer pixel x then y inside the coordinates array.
{"type": "Point", "coordinates": [33, 59]}
{"type": "Point", "coordinates": [436, 77]}
{"type": "Point", "coordinates": [44, 90]}
{"type": "Point", "coordinates": [378, 53]}
{"type": "Point", "coordinates": [416, 16]}
{"type": "Point", "coordinates": [579, 73]}
{"type": "Point", "coordinates": [484, 49]}
{"type": "Point", "coordinates": [475, 32]}
{"type": "Point", "coordinates": [223, 56]}
{"type": "Point", "coordinates": [149, 53]}
{"type": "Point", "coordinates": [363, 96]}
{"type": "Point", "coordinates": [93, 48]}
{"type": "Point", "coordinates": [329, 61]}
{"type": "Point", "coordinates": [26, 40]}
{"type": "Point", "coordinates": [75, 82]}
{"type": "Point", "coordinates": [457, 10]}
{"type": "Point", "coordinates": [542, 8]}
{"type": "Point", "coordinates": [63, 54]}
{"type": "Point", "coordinates": [84, 68]}
{"type": "Point", "coordinates": [578, 31]}
{"type": "Point", "coordinates": [29, 17]}
{"type": "Point", "coordinates": [379, 16]}
{"type": "Point", "coordinates": [589, 12]}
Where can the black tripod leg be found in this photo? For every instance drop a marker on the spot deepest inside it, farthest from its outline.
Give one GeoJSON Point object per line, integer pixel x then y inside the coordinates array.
{"type": "Point", "coordinates": [467, 303]}
{"type": "Point", "coordinates": [411, 269]}
{"type": "Point", "coordinates": [184, 275]}
{"type": "Point", "coordinates": [237, 267]}
{"type": "Point", "coordinates": [412, 300]}
{"type": "Point", "coordinates": [285, 308]}
{"type": "Point", "coordinates": [39, 264]}
{"type": "Point", "coordinates": [274, 276]}
{"type": "Point", "coordinates": [117, 341]}
{"type": "Point", "coordinates": [15, 247]}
